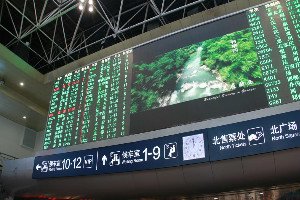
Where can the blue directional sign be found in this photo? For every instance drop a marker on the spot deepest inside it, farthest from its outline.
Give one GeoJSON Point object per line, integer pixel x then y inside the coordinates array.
{"type": "Point", "coordinates": [149, 154]}
{"type": "Point", "coordinates": [251, 137]}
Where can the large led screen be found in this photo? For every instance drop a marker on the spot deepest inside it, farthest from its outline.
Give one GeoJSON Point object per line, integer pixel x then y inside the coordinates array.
{"type": "Point", "coordinates": [199, 70]}
{"type": "Point", "coordinates": [205, 78]}
{"type": "Point", "coordinates": [240, 63]}
{"type": "Point", "coordinates": [237, 64]}
{"type": "Point", "coordinates": [90, 104]}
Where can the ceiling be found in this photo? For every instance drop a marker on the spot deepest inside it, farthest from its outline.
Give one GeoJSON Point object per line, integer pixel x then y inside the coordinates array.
{"type": "Point", "coordinates": [52, 33]}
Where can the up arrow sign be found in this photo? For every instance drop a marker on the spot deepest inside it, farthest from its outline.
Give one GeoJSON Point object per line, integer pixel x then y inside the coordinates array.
{"type": "Point", "coordinates": [104, 159]}
{"type": "Point", "coordinates": [38, 167]}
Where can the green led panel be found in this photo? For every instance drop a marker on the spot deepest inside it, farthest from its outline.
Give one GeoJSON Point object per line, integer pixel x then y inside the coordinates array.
{"type": "Point", "coordinates": [90, 104]}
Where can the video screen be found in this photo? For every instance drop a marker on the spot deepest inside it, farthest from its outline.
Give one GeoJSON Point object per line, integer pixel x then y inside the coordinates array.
{"type": "Point", "coordinates": [240, 63]}
{"type": "Point", "coordinates": [200, 70]}
{"type": "Point", "coordinates": [202, 73]}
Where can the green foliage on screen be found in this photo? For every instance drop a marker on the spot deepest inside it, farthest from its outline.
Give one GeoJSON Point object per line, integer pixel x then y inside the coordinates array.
{"type": "Point", "coordinates": [233, 67]}
{"type": "Point", "coordinates": [203, 69]}
{"type": "Point", "coordinates": [158, 78]}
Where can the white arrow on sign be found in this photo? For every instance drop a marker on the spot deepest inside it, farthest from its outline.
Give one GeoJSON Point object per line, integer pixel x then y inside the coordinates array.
{"type": "Point", "coordinates": [104, 159]}
{"type": "Point", "coordinates": [38, 167]}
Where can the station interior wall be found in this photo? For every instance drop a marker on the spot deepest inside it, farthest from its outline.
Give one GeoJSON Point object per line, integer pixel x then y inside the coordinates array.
{"type": "Point", "coordinates": [11, 136]}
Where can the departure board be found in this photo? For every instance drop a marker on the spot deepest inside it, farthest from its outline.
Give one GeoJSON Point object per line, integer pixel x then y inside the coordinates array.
{"type": "Point", "coordinates": [276, 31]}
{"type": "Point", "coordinates": [89, 104]}
{"type": "Point", "coordinates": [241, 63]}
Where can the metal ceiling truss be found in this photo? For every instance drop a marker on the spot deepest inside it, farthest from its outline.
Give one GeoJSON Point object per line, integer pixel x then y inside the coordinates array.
{"type": "Point", "coordinates": [60, 45]}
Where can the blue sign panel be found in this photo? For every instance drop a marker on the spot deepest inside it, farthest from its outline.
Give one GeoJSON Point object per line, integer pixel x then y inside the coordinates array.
{"type": "Point", "coordinates": [251, 137]}
{"type": "Point", "coordinates": [261, 135]}
{"type": "Point", "coordinates": [149, 154]}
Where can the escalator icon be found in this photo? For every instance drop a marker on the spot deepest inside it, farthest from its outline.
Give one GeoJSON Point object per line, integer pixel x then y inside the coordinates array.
{"type": "Point", "coordinates": [256, 136]}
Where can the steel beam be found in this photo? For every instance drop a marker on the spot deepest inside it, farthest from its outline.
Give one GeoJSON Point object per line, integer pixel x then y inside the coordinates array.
{"type": "Point", "coordinates": [114, 23]}
{"type": "Point", "coordinates": [1, 11]}
{"type": "Point", "coordinates": [157, 12]}
{"type": "Point", "coordinates": [60, 12]}
{"type": "Point", "coordinates": [36, 27]}
{"type": "Point", "coordinates": [132, 18]}
{"type": "Point", "coordinates": [43, 10]}
{"type": "Point", "coordinates": [35, 13]}
{"type": "Point", "coordinates": [162, 6]}
{"type": "Point", "coordinates": [76, 29]}
{"type": "Point", "coordinates": [184, 10]}
{"type": "Point", "coordinates": [40, 25]}
{"type": "Point", "coordinates": [24, 8]}
{"type": "Point", "coordinates": [122, 29]}
{"type": "Point", "coordinates": [92, 34]}
{"type": "Point", "coordinates": [163, 14]}
{"type": "Point", "coordinates": [22, 42]}
{"type": "Point", "coordinates": [63, 29]}
{"type": "Point", "coordinates": [106, 18]}
{"type": "Point", "coordinates": [12, 21]}
{"type": "Point", "coordinates": [146, 15]}
{"type": "Point", "coordinates": [43, 47]}
{"type": "Point", "coordinates": [50, 57]}
{"type": "Point", "coordinates": [119, 15]}
{"type": "Point", "coordinates": [169, 6]}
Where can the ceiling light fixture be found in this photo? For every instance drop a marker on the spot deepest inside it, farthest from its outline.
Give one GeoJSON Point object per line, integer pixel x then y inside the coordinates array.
{"type": "Point", "coordinates": [24, 117]}
{"type": "Point", "coordinates": [80, 7]}
{"type": "Point", "coordinates": [91, 9]}
{"type": "Point", "coordinates": [21, 84]}
{"type": "Point", "coordinates": [261, 193]}
{"type": "Point", "coordinates": [216, 198]}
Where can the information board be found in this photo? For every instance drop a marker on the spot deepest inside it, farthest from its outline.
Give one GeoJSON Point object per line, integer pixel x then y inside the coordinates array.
{"type": "Point", "coordinates": [276, 32]}
{"type": "Point", "coordinates": [251, 137]}
{"type": "Point", "coordinates": [150, 154]}
{"type": "Point", "coordinates": [90, 104]}
{"type": "Point", "coordinates": [244, 62]}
